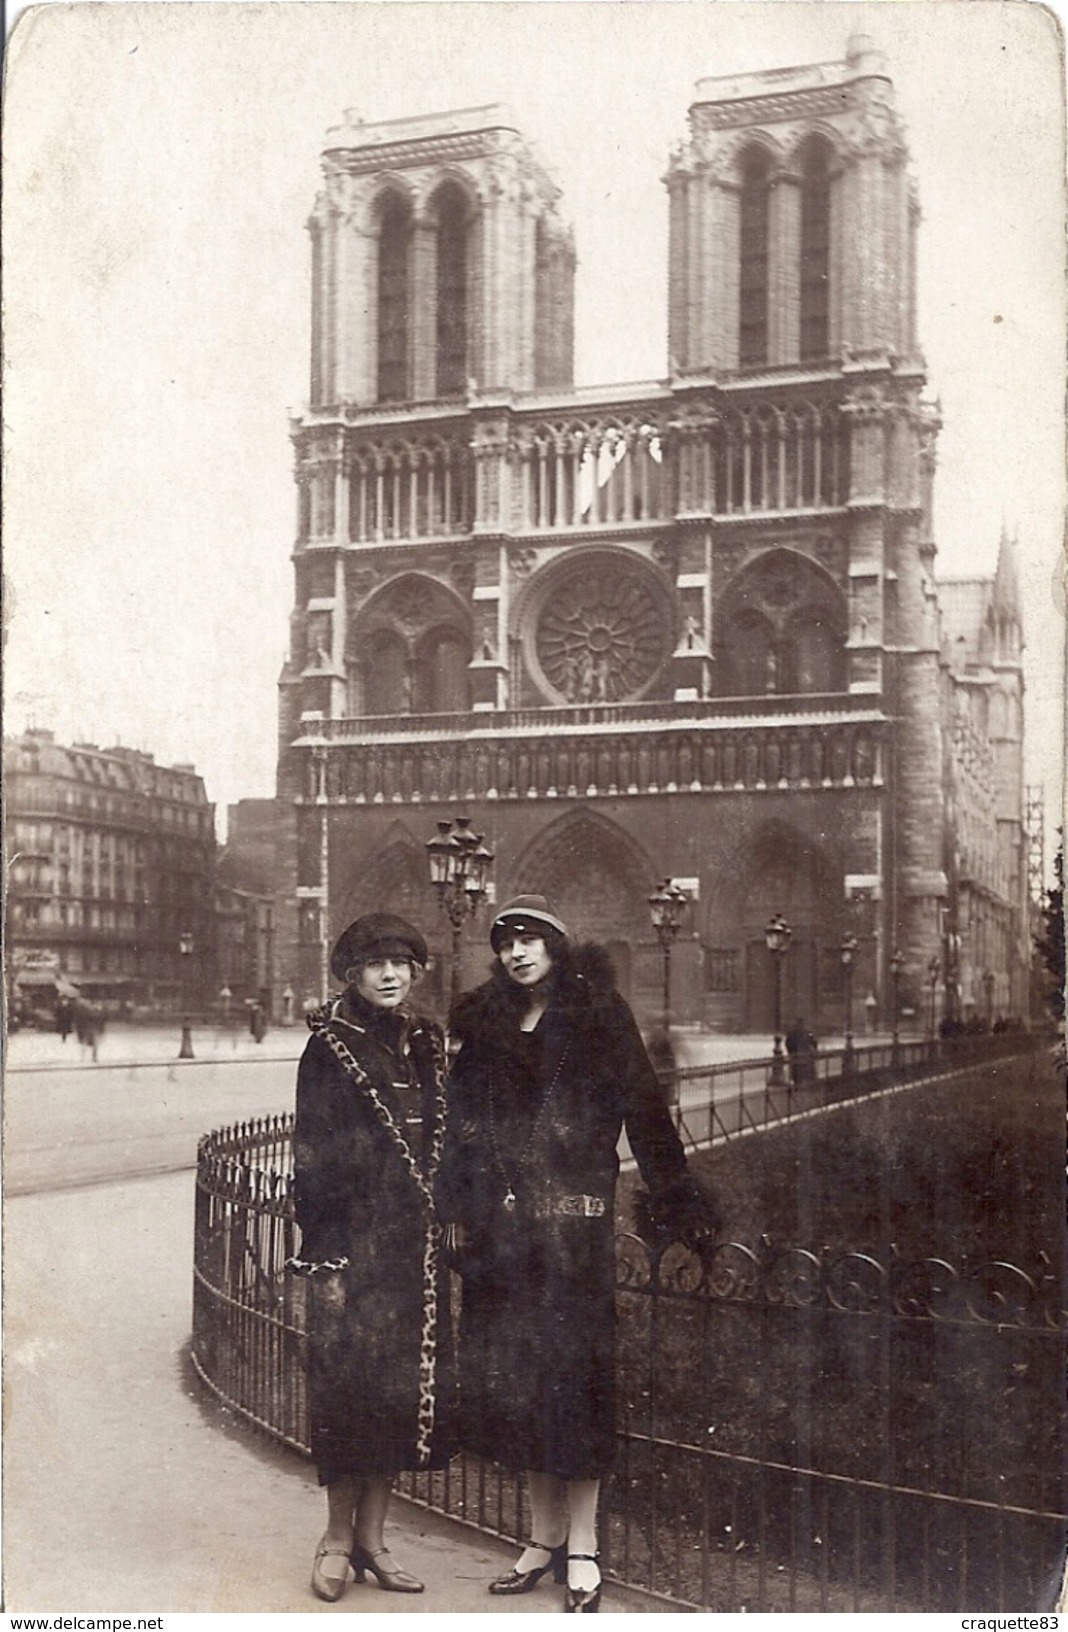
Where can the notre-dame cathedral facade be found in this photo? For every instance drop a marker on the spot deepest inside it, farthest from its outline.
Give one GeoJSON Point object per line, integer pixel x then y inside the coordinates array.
{"type": "Point", "coordinates": [688, 628]}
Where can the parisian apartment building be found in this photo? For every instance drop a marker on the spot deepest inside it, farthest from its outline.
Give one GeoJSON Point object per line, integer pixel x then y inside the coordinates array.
{"type": "Point", "coordinates": [111, 872]}
{"type": "Point", "coordinates": [118, 891]}
{"type": "Point", "coordinates": [689, 628]}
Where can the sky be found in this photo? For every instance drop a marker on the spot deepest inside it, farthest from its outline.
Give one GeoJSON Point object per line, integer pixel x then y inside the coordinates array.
{"type": "Point", "coordinates": [160, 163]}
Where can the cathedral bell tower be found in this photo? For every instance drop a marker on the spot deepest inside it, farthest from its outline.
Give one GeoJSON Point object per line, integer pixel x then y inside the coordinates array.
{"type": "Point", "coordinates": [792, 222]}
{"type": "Point", "coordinates": [439, 264]}
{"type": "Point", "coordinates": [806, 452]}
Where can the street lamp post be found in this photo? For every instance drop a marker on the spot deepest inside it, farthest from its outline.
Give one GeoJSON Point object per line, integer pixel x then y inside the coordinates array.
{"type": "Point", "coordinates": [185, 952]}
{"type": "Point", "coordinates": [666, 907]}
{"type": "Point", "coordinates": [897, 964]}
{"type": "Point", "coordinates": [988, 989]}
{"type": "Point", "coordinates": [934, 969]}
{"type": "Point", "coordinates": [459, 868]}
{"type": "Point", "coordinates": [849, 959]}
{"type": "Point", "coordinates": [777, 938]}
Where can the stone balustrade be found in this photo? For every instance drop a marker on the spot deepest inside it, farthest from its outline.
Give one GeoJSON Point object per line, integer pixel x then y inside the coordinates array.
{"type": "Point", "coordinates": [503, 756]}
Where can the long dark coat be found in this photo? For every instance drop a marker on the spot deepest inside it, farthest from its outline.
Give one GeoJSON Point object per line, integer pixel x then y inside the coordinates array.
{"type": "Point", "coordinates": [537, 1117]}
{"type": "Point", "coordinates": [380, 1375]}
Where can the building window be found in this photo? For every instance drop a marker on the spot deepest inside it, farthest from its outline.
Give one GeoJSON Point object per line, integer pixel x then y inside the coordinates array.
{"type": "Point", "coordinates": [753, 267]}
{"type": "Point", "coordinates": [393, 302]}
{"type": "Point", "coordinates": [815, 252]}
{"type": "Point", "coordinates": [781, 632]}
{"type": "Point", "coordinates": [451, 339]}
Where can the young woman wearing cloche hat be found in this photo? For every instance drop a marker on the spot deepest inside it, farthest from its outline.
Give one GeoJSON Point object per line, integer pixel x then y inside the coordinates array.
{"type": "Point", "coordinates": [550, 1070]}
{"type": "Point", "coordinates": [370, 1126]}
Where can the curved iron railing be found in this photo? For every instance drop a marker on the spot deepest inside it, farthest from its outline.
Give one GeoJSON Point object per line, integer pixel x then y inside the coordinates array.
{"type": "Point", "coordinates": [741, 1478]}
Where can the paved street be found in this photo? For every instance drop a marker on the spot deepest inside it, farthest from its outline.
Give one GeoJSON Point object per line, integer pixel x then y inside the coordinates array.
{"type": "Point", "coordinates": [82, 1126]}
{"type": "Point", "coordinates": [140, 1110]}
{"type": "Point", "coordinates": [30, 1049]}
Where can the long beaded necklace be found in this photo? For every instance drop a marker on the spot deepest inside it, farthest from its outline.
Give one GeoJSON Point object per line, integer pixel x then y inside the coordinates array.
{"type": "Point", "coordinates": [509, 1202]}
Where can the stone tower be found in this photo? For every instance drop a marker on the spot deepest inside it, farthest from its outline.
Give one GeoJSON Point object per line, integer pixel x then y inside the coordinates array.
{"type": "Point", "coordinates": [439, 263]}
{"type": "Point", "coordinates": [792, 334]}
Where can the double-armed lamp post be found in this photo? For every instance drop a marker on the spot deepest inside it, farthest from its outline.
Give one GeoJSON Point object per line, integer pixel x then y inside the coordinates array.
{"type": "Point", "coordinates": [934, 969]}
{"type": "Point", "coordinates": [459, 873]}
{"type": "Point", "coordinates": [849, 963]}
{"type": "Point", "coordinates": [185, 952]}
{"type": "Point", "coordinates": [777, 938]}
{"type": "Point", "coordinates": [666, 906]}
{"type": "Point", "coordinates": [897, 965]}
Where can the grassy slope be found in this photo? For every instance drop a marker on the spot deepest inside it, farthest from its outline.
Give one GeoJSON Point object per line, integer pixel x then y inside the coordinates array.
{"type": "Point", "coordinates": [973, 1166]}
{"type": "Point", "coordinates": [968, 1169]}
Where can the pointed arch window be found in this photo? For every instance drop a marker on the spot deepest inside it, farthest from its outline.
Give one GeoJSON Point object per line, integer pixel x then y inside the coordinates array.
{"type": "Point", "coordinates": [316, 312]}
{"type": "Point", "coordinates": [387, 683]}
{"type": "Point", "coordinates": [781, 631]}
{"type": "Point", "coordinates": [393, 300]}
{"type": "Point", "coordinates": [441, 685]}
{"type": "Point", "coordinates": [812, 658]}
{"type": "Point", "coordinates": [753, 261]}
{"type": "Point", "coordinates": [452, 294]}
{"type": "Point", "coordinates": [751, 657]}
{"type": "Point", "coordinates": [815, 251]}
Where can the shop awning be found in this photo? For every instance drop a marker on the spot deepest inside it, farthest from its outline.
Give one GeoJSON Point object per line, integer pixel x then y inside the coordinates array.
{"type": "Point", "coordinates": [40, 979]}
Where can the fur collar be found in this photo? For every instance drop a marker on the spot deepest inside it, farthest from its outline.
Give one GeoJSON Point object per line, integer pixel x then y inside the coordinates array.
{"type": "Point", "coordinates": [387, 1026]}
{"type": "Point", "coordinates": [584, 987]}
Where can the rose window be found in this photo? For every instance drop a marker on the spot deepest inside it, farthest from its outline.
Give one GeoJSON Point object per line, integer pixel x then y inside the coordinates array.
{"type": "Point", "coordinates": [601, 637]}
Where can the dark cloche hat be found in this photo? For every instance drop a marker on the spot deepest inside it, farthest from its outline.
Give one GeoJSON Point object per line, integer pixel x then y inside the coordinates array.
{"type": "Point", "coordinates": [377, 935]}
{"type": "Point", "coordinates": [526, 912]}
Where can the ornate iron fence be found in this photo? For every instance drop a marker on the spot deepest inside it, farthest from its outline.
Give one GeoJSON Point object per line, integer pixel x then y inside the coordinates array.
{"type": "Point", "coordinates": [799, 1430]}
{"type": "Point", "coordinates": [713, 1104]}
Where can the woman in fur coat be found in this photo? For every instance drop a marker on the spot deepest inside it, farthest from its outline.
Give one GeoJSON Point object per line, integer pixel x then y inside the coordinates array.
{"type": "Point", "coordinates": [550, 1069]}
{"type": "Point", "coordinates": [370, 1128]}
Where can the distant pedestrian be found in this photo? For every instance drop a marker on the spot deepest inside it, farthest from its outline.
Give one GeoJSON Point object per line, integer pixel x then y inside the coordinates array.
{"type": "Point", "coordinates": [801, 1046]}
{"type": "Point", "coordinates": [64, 1018]}
{"type": "Point", "coordinates": [87, 1027]}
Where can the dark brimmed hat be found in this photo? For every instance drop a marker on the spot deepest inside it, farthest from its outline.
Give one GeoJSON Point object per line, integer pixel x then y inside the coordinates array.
{"type": "Point", "coordinates": [377, 935]}
{"type": "Point", "coordinates": [531, 913]}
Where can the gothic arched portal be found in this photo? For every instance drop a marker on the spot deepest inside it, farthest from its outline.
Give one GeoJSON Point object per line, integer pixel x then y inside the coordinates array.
{"type": "Point", "coordinates": [598, 878]}
{"type": "Point", "coordinates": [777, 870]}
{"type": "Point", "coordinates": [389, 878]}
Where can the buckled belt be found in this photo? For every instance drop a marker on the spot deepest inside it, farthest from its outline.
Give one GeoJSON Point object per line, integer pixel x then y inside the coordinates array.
{"type": "Point", "coordinates": [578, 1206]}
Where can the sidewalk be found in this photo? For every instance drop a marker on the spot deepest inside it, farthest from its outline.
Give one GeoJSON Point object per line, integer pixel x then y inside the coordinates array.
{"type": "Point", "coordinates": [128, 1488]}
{"type": "Point", "coordinates": [124, 1045]}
